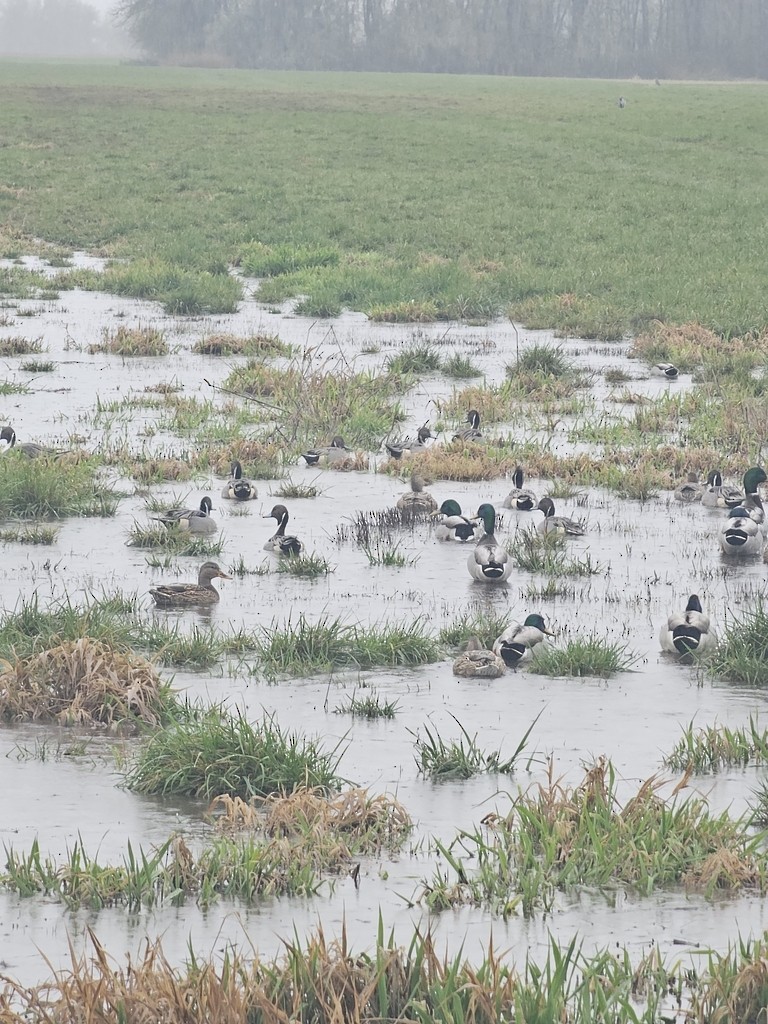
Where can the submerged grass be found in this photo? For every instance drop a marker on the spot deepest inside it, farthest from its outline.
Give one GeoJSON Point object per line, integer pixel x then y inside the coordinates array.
{"type": "Point", "coordinates": [369, 705]}
{"type": "Point", "coordinates": [212, 753]}
{"type": "Point", "coordinates": [462, 758]}
{"type": "Point", "coordinates": [557, 838]}
{"type": "Point", "coordinates": [717, 746]}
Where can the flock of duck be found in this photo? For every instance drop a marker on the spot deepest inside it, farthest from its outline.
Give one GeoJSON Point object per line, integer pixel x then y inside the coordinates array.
{"type": "Point", "coordinates": [743, 532]}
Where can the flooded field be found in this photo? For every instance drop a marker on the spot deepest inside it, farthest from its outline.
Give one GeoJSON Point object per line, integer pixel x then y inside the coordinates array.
{"type": "Point", "coordinates": [650, 554]}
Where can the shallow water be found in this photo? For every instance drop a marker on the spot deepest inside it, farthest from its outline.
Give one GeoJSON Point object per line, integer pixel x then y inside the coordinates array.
{"type": "Point", "coordinates": [653, 556]}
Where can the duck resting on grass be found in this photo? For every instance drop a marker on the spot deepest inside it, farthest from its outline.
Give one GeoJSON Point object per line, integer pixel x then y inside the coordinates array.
{"type": "Point", "coordinates": [452, 525]}
{"type": "Point", "coordinates": [191, 520]}
{"type": "Point", "coordinates": [687, 631]}
{"type": "Point", "coordinates": [556, 524]}
{"type": "Point", "coordinates": [409, 445]}
{"type": "Point", "coordinates": [174, 595]}
{"type": "Point", "coordinates": [281, 543]}
{"type": "Point", "coordinates": [489, 562]}
{"type": "Point", "coordinates": [31, 449]}
{"type": "Point", "coordinates": [331, 454]}
{"type": "Point", "coordinates": [518, 497]}
{"type": "Point", "coordinates": [740, 535]}
{"type": "Point", "coordinates": [472, 432]}
{"type": "Point", "coordinates": [477, 663]}
{"type": "Point", "coordinates": [517, 642]}
{"type": "Point", "coordinates": [238, 488]}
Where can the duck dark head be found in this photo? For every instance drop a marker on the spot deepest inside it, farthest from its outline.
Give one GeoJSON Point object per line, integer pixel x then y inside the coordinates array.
{"type": "Point", "coordinates": [694, 604]}
{"type": "Point", "coordinates": [715, 478]}
{"type": "Point", "coordinates": [235, 470]}
{"type": "Point", "coordinates": [206, 505]}
{"type": "Point", "coordinates": [538, 623]}
{"type": "Point", "coordinates": [278, 512]}
{"type": "Point", "coordinates": [547, 506]}
{"type": "Point", "coordinates": [752, 479]}
{"type": "Point", "coordinates": [473, 418]}
{"type": "Point", "coordinates": [487, 513]}
{"type": "Point", "coordinates": [450, 508]}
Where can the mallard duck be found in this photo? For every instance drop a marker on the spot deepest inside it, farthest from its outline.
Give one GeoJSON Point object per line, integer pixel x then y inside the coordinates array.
{"type": "Point", "coordinates": [191, 520]}
{"type": "Point", "coordinates": [238, 488]}
{"type": "Point", "coordinates": [740, 535]}
{"type": "Point", "coordinates": [667, 370]}
{"type": "Point", "coordinates": [717, 494]}
{"type": "Point", "coordinates": [472, 432]}
{"type": "Point", "coordinates": [169, 595]}
{"type": "Point", "coordinates": [477, 663]}
{"type": "Point", "coordinates": [417, 500]}
{"type": "Point", "coordinates": [279, 542]}
{"type": "Point", "coordinates": [30, 448]}
{"type": "Point", "coordinates": [687, 631]}
{"type": "Point", "coordinates": [409, 445]}
{"type": "Point", "coordinates": [689, 490]}
{"type": "Point", "coordinates": [336, 451]}
{"type": "Point", "coordinates": [749, 497]}
{"type": "Point", "coordinates": [557, 524]}
{"type": "Point", "coordinates": [452, 525]}
{"type": "Point", "coordinates": [516, 642]}
{"type": "Point", "coordinates": [489, 562]}
{"type": "Point", "coordinates": [522, 500]}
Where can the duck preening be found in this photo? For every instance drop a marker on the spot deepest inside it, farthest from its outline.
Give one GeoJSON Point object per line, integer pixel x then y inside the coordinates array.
{"type": "Point", "coordinates": [687, 631]}
{"type": "Point", "coordinates": [489, 562]}
{"type": "Point", "coordinates": [452, 525]}
{"type": "Point", "coordinates": [477, 663]}
{"type": "Point", "coordinates": [552, 523]}
{"type": "Point", "coordinates": [170, 595]}
{"type": "Point", "coordinates": [190, 520]}
{"type": "Point", "coordinates": [280, 542]}
{"type": "Point", "coordinates": [410, 445]}
{"type": "Point", "coordinates": [518, 497]}
{"type": "Point", "coordinates": [31, 449]}
{"type": "Point", "coordinates": [517, 641]}
{"type": "Point", "coordinates": [472, 432]}
{"type": "Point", "coordinates": [238, 487]}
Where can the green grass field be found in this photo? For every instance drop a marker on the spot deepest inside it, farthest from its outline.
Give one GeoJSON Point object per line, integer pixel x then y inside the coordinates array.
{"type": "Point", "coordinates": [427, 196]}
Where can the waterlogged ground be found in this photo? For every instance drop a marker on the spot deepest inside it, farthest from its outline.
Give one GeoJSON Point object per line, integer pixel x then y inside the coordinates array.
{"type": "Point", "coordinates": [652, 556]}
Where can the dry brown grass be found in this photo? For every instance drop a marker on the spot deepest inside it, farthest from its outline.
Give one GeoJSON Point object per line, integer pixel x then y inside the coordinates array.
{"type": "Point", "coordinates": [132, 341]}
{"type": "Point", "coordinates": [250, 454]}
{"type": "Point", "coordinates": [690, 344]}
{"type": "Point", "coordinates": [457, 461]}
{"type": "Point", "coordinates": [148, 470]}
{"type": "Point", "coordinates": [367, 822]}
{"type": "Point", "coordinates": [223, 344]}
{"type": "Point", "coordinates": [81, 682]}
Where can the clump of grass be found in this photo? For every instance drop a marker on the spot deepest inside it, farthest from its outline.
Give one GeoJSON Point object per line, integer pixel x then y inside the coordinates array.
{"type": "Point", "coordinates": [132, 341]}
{"type": "Point", "coordinates": [38, 366]}
{"type": "Point", "coordinates": [212, 753]}
{"type": "Point", "coordinates": [235, 345]}
{"type": "Point", "coordinates": [30, 628]}
{"type": "Point", "coordinates": [642, 486]}
{"type": "Point", "coordinates": [380, 551]}
{"type": "Point", "coordinates": [486, 624]}
{"type": "Point", "coordinates": [456, 461]}
{"type": "Point", "coordinates": [18, 345]}
{"type": "Point", "coordinates": [260, 260]}
{"type": "Point", "coordinates": [53, 489]}
{"type": "Point", "coordinates": [33, 533]}
{"type": "Point", "coordinates": [305, 566]}
{"type": "Point", "coordinates": [293, 489]}
{"type": "Point", "coordinates": [84, 682]}
{"type": "Point", "coordinates": [558, 837]}
{"type": "Point", "coordinates": [150, 470]}
{"type": "Point", "coordinates": [544, 360]}
{"type": "Point", "coordinates": [742, 654]}
{"type": "Point", "coordinates": [414, 361]}
{"type": "Point", "coordinates": [371, 705]}
{"type": "Point", "coordinates": [172, 540]}
{"type": "Point", "coordinates": [547, 554]}
{"type": "Point", "coordinates": [461, 758]}
{"type": "Point", "coordinates": [197, 650]}
{"type": "Point", "coordinates": [12, 387]}
{"type": "Point", "coordinates": [615, 375]}
{"type": "Point", "coordinates": [583, 656]}
{"type": "Point", "coordinates": [714, 747]}
{"type": "Point", "coordinates": [301, 647]}
{"type": "Point", "coordinates": [460, 367]}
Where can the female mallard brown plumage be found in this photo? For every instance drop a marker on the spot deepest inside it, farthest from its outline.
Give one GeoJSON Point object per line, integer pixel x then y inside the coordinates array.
{"type": "Point", "coordinates": [476, 663]}
{"type": "Point", "coordinates": [173, 595]}
{"type": "Point", "coordinates": [417, 500]}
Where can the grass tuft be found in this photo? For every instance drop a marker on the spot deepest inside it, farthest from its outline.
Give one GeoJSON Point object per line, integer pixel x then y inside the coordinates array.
{"type": "Point", "coordinates": [583, 656]}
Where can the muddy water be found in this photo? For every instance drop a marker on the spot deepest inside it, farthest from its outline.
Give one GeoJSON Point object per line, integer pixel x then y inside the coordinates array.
{"type": "Point", "coordinates": [652, 556]}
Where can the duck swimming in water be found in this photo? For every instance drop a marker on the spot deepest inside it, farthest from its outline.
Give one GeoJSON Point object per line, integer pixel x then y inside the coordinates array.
{"type": "Point", "coordinates": [31, 449]}
{"type": "Point", "coordinates": [174, 595]}
{"type": "Point", "coordinates": [417, 501]}
{"type": "Point", "coordinates": [452, 525]}
{"type": "Point", "coordinates": [191, 520]}
{"type": "Point", "coordinates": [332, 454]}
{"type": "Point", "coordinates": [279, 542]}
{"type": "Point", "coordinates": [557, 524]}
{"type": "Point", "coordinates": [238, 488]}
{"type": "Point", "coordinates": [687, 631]}
{"type": "Point", "coordinates": [518, 497]}
{"type": "Point", "coordinates": [409, 446]}
{"type": "Point", "coordinates": [489, 562]}
{"type": "Point", "coordinates": [740, 535]}
{"type": "Point", "coordinates": [689, 490]}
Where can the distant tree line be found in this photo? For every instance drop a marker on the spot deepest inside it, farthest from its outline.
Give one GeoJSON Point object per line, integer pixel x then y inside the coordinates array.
{"type": "Point", "coordinates": [66, 28]}
{"type": "Point", "coordinates": [612, 38]}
